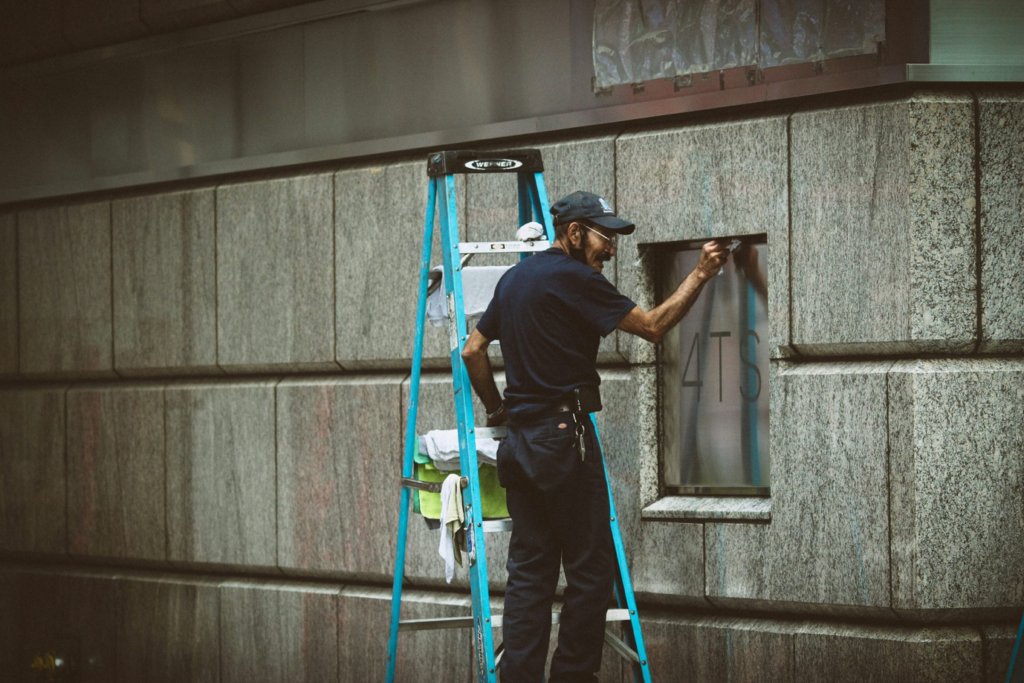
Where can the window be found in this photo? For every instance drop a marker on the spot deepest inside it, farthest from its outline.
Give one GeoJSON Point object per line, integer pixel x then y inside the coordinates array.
{"type": "Point", "coordinates": [714, 376]}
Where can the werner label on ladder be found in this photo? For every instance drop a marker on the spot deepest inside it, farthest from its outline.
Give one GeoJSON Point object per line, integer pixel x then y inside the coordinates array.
{"type": "Point", "coordinates": [548, 313]}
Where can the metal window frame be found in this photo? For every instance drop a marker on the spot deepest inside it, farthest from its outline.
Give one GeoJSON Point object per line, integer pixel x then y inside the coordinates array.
{"type": "Point", "coordinates": [663, 252]}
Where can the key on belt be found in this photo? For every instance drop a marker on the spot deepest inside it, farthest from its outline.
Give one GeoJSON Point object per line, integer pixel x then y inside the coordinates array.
{"type": "Point", "coordinates": [580, 444]}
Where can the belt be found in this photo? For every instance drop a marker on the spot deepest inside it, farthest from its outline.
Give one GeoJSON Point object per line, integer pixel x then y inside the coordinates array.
{"type": "Point", "coordinates": [560, 408]}
{"type": "Point", "coordinates": [584, 400]}
{"type": "Point", "coordinates": [563, 406]}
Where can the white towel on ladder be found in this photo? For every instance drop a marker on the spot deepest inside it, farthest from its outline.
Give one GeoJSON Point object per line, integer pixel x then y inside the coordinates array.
{"type": "Point", "coordinates": [443, 449]}
{"type": "Point", "coordinates": [447, 548]}
{"type": "Point", "coordinates": [478, 283]}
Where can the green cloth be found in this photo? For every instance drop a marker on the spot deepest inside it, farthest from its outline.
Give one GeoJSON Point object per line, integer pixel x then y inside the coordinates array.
{"type": "Point", "coordinates": [492, 495]}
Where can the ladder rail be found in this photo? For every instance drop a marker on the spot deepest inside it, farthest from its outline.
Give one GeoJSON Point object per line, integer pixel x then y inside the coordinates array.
{"type": "Point", "coordinates": [624, 587]}
{"type": "Point", "coordinates": [410, 430]}
{"type": "Point", "coordinates": [523, 194]}
{"type": "Point", "coordinates": [539, 198]}
{"type": "Point", "coordinates": [483, 641]}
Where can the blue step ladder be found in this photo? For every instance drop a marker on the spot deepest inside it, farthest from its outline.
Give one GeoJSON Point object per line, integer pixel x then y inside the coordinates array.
{"type": "Point", "coordinates": [533, 205]}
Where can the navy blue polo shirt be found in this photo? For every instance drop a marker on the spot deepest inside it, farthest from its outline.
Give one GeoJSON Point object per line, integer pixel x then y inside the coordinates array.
{"type": "Point", "coordinates": [550, 311]}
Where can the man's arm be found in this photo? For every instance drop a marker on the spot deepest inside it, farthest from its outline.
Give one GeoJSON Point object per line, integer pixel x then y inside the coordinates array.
{"type": "Point", "coordinates": [478, 367]}
{"type": "Point", "coordinates": [652, 325]}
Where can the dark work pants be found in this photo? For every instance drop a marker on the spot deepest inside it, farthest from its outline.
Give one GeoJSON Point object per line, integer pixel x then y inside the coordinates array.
{"type": "Point", "coordinates": [560, 514]}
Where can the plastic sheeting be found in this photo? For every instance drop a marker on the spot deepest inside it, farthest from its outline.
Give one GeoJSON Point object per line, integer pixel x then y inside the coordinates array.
{"type": "Point", "coordinates": [641, 40]}
{"type": "Point", "coordinates": [811, 30]}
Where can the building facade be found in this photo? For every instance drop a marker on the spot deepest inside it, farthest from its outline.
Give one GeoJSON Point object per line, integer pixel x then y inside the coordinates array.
{"type": "Point", "coordinates": [205, 384]}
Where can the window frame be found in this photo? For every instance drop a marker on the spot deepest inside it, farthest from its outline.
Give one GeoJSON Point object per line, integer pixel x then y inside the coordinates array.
{"type": "Point", "coordinates": [658, 256]}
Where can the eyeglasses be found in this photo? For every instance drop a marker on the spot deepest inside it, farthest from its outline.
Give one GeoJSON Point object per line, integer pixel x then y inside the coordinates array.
{"type": "Point", "coordinates": [612, 241]}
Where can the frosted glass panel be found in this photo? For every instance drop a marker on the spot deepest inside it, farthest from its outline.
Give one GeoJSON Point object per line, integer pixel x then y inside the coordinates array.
{"type": "Point", "coordinates": [715, 380]}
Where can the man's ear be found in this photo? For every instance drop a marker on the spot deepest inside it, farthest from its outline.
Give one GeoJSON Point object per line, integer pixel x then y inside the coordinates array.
{"type": "Point", "coordinates": [578, 233]}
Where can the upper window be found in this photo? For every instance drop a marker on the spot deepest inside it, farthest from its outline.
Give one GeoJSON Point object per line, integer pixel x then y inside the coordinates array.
{"type": "Point", "coordinates": [714, 377]}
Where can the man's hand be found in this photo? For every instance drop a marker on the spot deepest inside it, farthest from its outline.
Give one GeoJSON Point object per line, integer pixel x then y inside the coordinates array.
{"type": "Point", "coordinates": [497, 418]}
{"type": "Point", "coordinates": [713, 256]}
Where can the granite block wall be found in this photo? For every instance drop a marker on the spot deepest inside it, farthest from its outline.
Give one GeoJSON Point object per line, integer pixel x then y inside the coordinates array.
{"type": "Point", "coordinates": [1001, 150]}
{"type": "Point", "coordinates": [165, 289]}
{"type": "Point", "coordinates": [8, 295]}
{"type": "Point", "coordinates": [735, 564]}
{"type": "Point", "coordinates": [339, 449]}
{"type": "Point", "coordinates": [898, 476]}
{"type": "Point", "coordinates": [74, 615]}
{"type": "Point", "coordinates": [275, 275]}
{"type": "Point", "coordinates": [64, 291]}
{"type": "Point", "coordinates": [364, 615]}
{"type": "Point", "coordinates": [224, 629]}
{"type": "Point", "coordinates": [824, 548]}
{"type": "Point", "coordinates": [830, 653]}
{"type": "Point", "coordinates": [115, 472]}
{"type": "Point", "coordinates": [998, 643]}
{"type": "Point", "coordinates": [278, 634]}
{"type": "Point", "coordinates": [33, 479]}
{"type": "Point", "coordinates": [221, 479]}
{"type": "Point", "coordinates": [718, 649]}
{"type": "Point", "coordinates": [170, 626]}
{"type": "Point", "coordinates": [883, 244]}
{"type": "Point", "coordinates": [957, 480]}
{"type": "Point", "coordinates": [271, 499]}
{"type": "Point", "coordinates": [828, 540]}
{"type": "Point", "coordinates": [379, 225]}
{"type": "Point", "coordinates": [219, 276]}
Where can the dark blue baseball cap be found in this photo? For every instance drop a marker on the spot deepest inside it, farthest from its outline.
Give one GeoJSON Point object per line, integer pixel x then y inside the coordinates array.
{"type": "Point", "coordinates": [584, 205]}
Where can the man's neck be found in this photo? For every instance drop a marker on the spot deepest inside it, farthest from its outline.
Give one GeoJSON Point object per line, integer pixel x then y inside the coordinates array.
{"type": "Point", "coordinates": [560, 244]}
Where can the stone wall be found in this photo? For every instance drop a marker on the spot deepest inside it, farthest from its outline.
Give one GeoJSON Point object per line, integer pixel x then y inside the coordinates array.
{"type": "Point", "coordinates": [203, 399]}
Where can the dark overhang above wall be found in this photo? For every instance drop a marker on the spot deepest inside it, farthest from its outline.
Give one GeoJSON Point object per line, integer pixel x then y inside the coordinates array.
{"type": "Point", "coordinates": [322, 82]}
{"type": "Point", "coordinates": [40, 29]}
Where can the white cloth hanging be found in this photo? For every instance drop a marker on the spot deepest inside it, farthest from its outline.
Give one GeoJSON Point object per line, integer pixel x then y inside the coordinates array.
{"type": "Point", "coordinates": [442, 445]}
{"type": "Point", "coordinates": [478, 283]}
{"type": "Point", "coordinates": [530, 232]}
{"type": "Point", "coordinates": [453, 535]}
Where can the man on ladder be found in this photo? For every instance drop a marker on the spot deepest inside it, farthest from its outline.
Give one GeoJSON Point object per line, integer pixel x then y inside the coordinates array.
{"type": "Point", "coordinates": [549, 312]}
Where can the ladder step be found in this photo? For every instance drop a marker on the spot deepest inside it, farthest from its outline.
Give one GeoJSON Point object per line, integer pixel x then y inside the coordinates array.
{"type": "Point", "coordinates": [625, 651]}
{"type": "Point", "coordinates": [496, 621]}
{"type": "Point", "coordinates": [428, 486]}
{"type": "Point", "coordinates": [492, 432]}
{"type": "Point", "coordinates": [503, 247]}
{"type": "Point", "coordinates": [492, 525]}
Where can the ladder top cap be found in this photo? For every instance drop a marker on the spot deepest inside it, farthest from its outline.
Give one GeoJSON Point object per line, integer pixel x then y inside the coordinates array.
{"type": "Point", "coordinates": [472, 161]}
